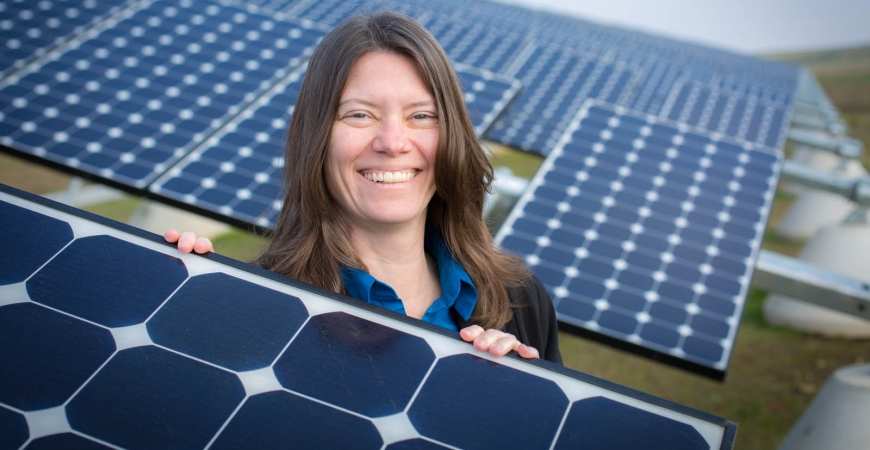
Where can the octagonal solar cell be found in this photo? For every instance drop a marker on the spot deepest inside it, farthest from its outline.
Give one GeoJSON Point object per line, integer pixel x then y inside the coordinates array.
{"type": "Point", "coordinates": [274, 419]}
{"type": "Point", "coordinates": [62, 352]}
{"type": "Point", "coordinates": [598, 424]}
{"type": "Point", "coordinates": [126, 402]}
{"type": "Point", "coordinates": [227, 321]}
{"type": "Point", "coordinates": [379, 368]}
{"type": "Point", "coordinates": [67, 441]}
{"type": "Point", "coordinates": [415, 444]}
{"type": "Point", "coordinates": [107, 280]}
{"type": "Point", "coordinates": [504, 390]}
{"type": "Point", "coordinates": [13, 427]}
{"type": "Point", "coordinates": [30, 241]}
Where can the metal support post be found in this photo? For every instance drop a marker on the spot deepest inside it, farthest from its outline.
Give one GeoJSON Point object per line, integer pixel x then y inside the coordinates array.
{"type": "Point", "coordinates": [812, 284]}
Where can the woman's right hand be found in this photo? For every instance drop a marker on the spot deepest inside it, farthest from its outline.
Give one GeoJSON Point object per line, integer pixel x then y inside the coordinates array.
{"type": "Point", "coordinates": [188, 242]}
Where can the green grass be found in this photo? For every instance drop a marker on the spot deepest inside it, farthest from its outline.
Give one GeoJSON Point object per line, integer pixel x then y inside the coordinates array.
{"type": "Point", "coordinates": [239, 244]}
{"type": "Point", "coordinates": [522, 164]}
{"type": "Point", "coordinates": [863, 78]}
{"type": "Point", "coordinates": [773, 375]}
{"type": "Point", "coordinates": [121, 210]}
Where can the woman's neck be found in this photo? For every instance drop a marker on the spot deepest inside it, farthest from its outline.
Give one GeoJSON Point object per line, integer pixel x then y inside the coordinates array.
{"type": "Point", "coordinates": [396, 256]}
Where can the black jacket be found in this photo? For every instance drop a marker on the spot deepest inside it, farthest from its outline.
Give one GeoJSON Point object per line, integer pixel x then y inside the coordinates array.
{"type": "Point", "coordinates": [534, 320]}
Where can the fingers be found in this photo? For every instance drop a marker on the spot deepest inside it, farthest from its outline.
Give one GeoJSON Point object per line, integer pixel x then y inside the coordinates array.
{"type": "Point", "coordinates": [171, 236]}
{"type": "Point", "coordinates": [528, 352]}
{"type": "Point", "coordinates": [203, 245]}
{"type": "Point", "coordinates": [497, 343]}
{"type": "Point", "coordinates": [469, 334]}
{"type": "Point", "coordinates": [186, 241]}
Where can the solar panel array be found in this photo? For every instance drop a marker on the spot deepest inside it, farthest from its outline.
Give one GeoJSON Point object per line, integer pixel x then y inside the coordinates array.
{"type": "Point", "coordinates": [723, 92]}
{"type": "Point", "coordinates": [112, 339]}
{"type": "Point", "coordinates": [238, 172]}
{"type": "Point", "coordinates": [129, 98]}
{"type": "Point", "coordinates": [30, 29]}
{"type": "Point", "coordinates": [646, 232]}
{"type": "Point", "coordinates": [187, 102]}
{"type": "Point", "coordinates": [132, 95]}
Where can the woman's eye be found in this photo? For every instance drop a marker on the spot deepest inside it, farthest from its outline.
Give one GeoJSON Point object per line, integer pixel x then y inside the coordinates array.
{"type": "Point", "coordinates": [422, 116]}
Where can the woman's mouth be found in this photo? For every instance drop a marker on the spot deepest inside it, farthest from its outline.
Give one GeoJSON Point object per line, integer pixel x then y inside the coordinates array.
{"type": "Point", "coordinates": [399, 176]}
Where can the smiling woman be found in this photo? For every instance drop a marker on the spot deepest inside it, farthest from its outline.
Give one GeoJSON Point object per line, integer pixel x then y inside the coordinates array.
{"type": "Point", "coordinates": [381, 156]}
{"type": "Point", "coordinates": [385, 183]}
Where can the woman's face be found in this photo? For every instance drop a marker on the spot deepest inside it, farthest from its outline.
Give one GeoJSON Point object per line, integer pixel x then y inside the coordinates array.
{"type": "Point", "coordinates": [381, 156]}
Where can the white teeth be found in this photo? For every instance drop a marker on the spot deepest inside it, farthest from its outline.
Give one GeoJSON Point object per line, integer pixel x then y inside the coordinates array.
{"type": "Point", "coordinates": [390, 177]}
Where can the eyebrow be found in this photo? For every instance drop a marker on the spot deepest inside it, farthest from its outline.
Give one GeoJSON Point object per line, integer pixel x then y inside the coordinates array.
{"type": "Point", "coordinates": [368, 103]}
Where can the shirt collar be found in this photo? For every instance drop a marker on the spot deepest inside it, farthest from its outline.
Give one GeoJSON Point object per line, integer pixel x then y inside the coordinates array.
{"type": "Point", "coordinates": [457, 289]}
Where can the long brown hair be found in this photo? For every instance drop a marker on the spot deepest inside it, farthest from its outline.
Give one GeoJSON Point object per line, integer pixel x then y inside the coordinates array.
{"type": "Point", "coordinates": [311, 241]}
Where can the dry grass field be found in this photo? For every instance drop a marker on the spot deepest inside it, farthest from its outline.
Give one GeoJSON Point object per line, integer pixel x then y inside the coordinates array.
{"type": "Point", "coordinates": [774, 372]}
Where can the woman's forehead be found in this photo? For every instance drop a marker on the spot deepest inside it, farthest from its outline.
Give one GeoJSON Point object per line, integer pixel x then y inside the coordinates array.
{"type": "Point", "coordinates": [386, 73]}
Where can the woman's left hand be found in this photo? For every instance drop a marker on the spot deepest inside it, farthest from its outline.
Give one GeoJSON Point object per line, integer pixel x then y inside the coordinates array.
{"type": "Point", "coordinates": [497, 343]}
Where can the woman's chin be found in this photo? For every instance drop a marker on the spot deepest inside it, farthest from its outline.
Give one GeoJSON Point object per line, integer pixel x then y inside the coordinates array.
{"type": "Point", "coordinates": [386, 217]}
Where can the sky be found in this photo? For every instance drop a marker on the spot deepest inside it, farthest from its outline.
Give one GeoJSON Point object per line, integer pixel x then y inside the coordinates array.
{"type": "Point", "coordinates": [746, 26]}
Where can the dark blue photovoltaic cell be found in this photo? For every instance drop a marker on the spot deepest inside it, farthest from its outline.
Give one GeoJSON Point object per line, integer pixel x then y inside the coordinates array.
{"type": "Point", "coordinates": [556, 83]}
{"type": "Point", "coordinates": [92, 275]}
{"type": "Point", "coordinates": [333, 12]}
{"type": "Point", "coordinates": [62, 353]}
{"type": "Point", "coordinates": [126, 403]}
{"type": "Point", "coordinates": [276, 5]}
{"type": "Point", "coordinates": [440, 410]}
{"type": "Point", "coordinates": [13, 428]}
{"type": "Point", "coordinates": [240, 172]}
{"type": "Point", "coordinates": [599, 424]}
{"type": "Point", "coordinates": [651, 213]}
{"type": "Point", "coordinates": [278, 420]}
{"type": "Point", "coordinates": [65, 441]}
{"type": "Point", "coordinates": [473, 42]}
{"type": "Point", "coordinates": [29, 241]}
{"type": "Point", "coordinates": [415, 444]}
{"type": "Point", "coordinates": [486, 95]}
{"type": "Point", "coordinates": [130, 101]}
{"type": "Point", "coordinates": [32, 28]}
{"type": "Point", "coordinates": [227, 321]}
{"type": "Point", "coordinates": [379, 368]}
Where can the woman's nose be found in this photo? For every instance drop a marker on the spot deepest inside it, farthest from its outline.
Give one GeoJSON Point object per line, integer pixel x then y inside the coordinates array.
{"type": "Point", "coordinates": [391, 138]}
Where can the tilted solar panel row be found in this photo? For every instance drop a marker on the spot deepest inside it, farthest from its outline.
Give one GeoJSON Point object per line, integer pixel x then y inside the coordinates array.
{"type": "Point", "coordinates": [111, 337]}
{"type": "Point", "coordinates": [128, 99]}
{"type": "Point", "coordinates": [646, 231]}
{"type": "Point", "coordinates": [31, 28]}
{"type": "Point", "coordinates": [501, 38]}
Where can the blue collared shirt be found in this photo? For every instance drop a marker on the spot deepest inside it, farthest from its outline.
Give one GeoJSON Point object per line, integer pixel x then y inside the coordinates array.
{"type": "Point", "coordinates": [457, 290]}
